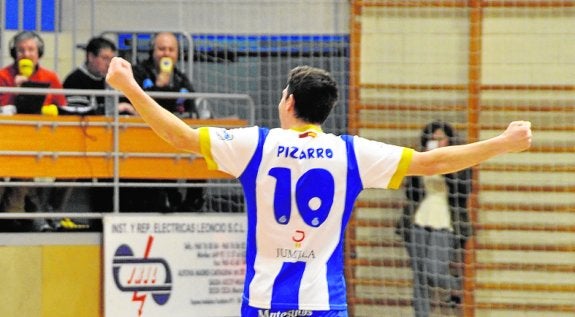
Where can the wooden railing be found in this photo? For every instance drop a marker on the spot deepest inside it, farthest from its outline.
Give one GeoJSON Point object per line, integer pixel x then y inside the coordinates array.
{"type": "Point", "coordinates": [45, 151]}
{"type": "Point", "coordinates": [106, 151]}
{"type": "Point", "coordinates": [542, 212]}
{"type": "Point", "coordinates": [71, 147]}
{"type": "Point", "coordinates": [521, 258]}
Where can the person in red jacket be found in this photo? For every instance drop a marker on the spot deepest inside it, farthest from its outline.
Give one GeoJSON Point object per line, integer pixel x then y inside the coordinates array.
{"type": "Point", "coordinates": [27, 48]}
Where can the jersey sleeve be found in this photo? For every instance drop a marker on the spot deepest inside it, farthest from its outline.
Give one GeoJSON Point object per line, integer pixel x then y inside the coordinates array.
{"type": "Point", "coordinates": [228, 150]}
{"type": "Point", "coordinates": [381, 165]}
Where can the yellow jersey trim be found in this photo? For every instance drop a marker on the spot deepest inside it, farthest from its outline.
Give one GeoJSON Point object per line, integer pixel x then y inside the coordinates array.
{"type": "Point", "coordinates": [307, 127]}
{"type": "Point", "coordinates": [401, 171]}
{"type": "Point", "coordinates": [206, 148]}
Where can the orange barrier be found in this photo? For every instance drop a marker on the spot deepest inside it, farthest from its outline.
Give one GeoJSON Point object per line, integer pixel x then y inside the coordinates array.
{"type": "Point", "coordinates": [84, 147]}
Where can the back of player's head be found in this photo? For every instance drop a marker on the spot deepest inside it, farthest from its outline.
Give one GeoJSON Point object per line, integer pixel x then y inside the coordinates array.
{"type": "Point", "coordinates": [430, 128]}
{"type": "Point", "coordinates": [314, 91]}
{"type": "Point", "coordinates": [98, 43]}
{"type": "Point", "coordinates": [22, 36]}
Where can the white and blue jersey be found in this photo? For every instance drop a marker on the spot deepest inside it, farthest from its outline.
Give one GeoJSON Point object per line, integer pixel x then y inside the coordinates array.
{"type": "Point", "coordinates": [300, 187]}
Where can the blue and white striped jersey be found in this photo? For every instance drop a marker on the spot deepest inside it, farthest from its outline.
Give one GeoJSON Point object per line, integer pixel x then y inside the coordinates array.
{"type": "Point", "coordinates": [300, 187]}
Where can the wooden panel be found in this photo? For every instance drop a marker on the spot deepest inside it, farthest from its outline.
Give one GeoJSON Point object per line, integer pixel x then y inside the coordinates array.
{"type": "Point", "coordinates": [82, 147]}
{"type": "Point", "coordinates": [53, 136]}
{"type": "Point", "coordinates": [71, 278]}
{"type": "Point", "coordinates": [103, 167]}
{"type": "Point", "coordinates": [21, 291]}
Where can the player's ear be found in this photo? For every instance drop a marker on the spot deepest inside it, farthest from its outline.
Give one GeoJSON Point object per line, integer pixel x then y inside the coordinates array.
{"type": "Point", "coordinates": [290, 102]}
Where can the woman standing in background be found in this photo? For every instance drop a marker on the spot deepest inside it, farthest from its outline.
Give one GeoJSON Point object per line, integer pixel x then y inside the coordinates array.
{"type": "Point", "coordinates": [435, 225]}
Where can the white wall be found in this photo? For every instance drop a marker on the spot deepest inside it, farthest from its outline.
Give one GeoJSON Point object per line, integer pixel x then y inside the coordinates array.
{"type": "Point", "coordinates": [212, 16]}
{"type": "Point", "coordinates": [80, 19]}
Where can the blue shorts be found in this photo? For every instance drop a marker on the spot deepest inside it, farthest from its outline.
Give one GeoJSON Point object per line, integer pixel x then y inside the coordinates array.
{"type": "Point", "coordinates": [248, 311]}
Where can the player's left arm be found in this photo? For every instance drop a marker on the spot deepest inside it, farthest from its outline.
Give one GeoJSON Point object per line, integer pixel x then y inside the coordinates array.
{"type": "Point", "coordinates": [449, 159]}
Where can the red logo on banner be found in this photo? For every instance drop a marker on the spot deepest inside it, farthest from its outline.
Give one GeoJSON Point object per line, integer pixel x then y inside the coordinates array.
{"type": "Point", "coordinates": [143, 276]}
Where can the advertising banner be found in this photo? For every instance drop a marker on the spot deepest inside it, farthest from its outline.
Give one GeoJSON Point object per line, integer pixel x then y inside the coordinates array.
{"type": "Point", "coordinates": [174, 265]}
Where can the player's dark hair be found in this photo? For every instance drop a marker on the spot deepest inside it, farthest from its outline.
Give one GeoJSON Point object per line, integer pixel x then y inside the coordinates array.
{"type": "Point", "coordinates": [427, 133]}
{"type": "Point", "coordinates": [314, 91]}
{"type": "Point", "coordinates": [98, 43]}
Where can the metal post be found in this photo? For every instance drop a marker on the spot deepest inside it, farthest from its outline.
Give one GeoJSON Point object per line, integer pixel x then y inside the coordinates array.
{"type": "Point", "coordinates": [38, 16]}
{"type": "Point", "coordinates": [2, 29]}
{"type": "Point", "coordinates": [116, 153]}
{"type": "Point", "coordinates": [74, 28]}
{"type": "Point", "coordinates": [56, 33]}
{"type": "Point", "coordinates": [20, 14]}
{"type": "Point", "coordinates": [92, 17]}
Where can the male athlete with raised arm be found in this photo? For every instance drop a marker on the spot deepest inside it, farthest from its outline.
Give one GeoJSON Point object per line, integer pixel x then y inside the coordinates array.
{"type": "Point", "coordinates": [300, 185]}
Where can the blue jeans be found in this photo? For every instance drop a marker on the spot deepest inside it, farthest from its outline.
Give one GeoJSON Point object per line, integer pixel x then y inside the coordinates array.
{"type": "Point", "coordinates": [431, 252]}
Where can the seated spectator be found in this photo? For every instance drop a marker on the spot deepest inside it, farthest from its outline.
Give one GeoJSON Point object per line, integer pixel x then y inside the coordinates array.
{"type": "Point", "coordinates": [160, 73]}
{"type": "Point", "coordinates": [26, 49]}
{"type": "Point", "coordinates": [91, 75]}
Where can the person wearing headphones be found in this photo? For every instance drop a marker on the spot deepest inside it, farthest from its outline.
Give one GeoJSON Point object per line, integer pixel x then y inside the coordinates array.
{"type": "Point", "coordinates": [27, 48]}
{"type": "Point", "coordinates": [160, 72]}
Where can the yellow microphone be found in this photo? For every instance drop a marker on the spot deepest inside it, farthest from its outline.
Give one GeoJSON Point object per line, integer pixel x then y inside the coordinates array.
{"type": "Point", "coordinates": [166, 65]}
{"type": "Point", "coordinates": [25, 67]}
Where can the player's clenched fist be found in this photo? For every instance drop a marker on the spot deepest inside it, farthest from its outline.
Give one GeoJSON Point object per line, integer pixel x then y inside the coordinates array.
{"type": "Point", "coordinates": [518, 136]}
{"type": "Point", "coordinates": [120, 74]}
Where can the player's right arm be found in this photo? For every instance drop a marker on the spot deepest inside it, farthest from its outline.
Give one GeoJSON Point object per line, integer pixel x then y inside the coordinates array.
{"type": "Point", "coordinates": [449, 159]}
{"type": "Point", "coordinates": [164, 123]}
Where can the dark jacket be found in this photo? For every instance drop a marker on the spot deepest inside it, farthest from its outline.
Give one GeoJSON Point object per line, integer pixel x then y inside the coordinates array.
{"type": "Point", "coordinates": [81, 78]}
{"type": "Point", "coordinates": [145, 75]}
{"type": "Point", "coordinates": [459, 185]}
